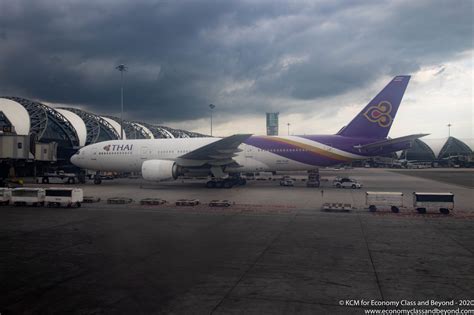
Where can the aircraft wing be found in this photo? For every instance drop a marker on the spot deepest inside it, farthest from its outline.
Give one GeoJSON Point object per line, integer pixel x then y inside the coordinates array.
{"type": "Point", "coordinates": [219, 153]}
{"type": "Point", "coordinates": [402, 142]}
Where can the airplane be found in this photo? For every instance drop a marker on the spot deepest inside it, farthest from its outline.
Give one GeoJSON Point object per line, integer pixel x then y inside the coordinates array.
{"type": "Point", "coordinates": [224, 159]}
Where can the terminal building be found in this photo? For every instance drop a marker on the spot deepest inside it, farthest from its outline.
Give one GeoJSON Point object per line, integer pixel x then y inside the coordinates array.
{"type": "Point", "coordinates": [449, 151]}
{"type": "Point", "coordinates": [445, 152]}
{"type": "Point", "coordinates": [34, 136]}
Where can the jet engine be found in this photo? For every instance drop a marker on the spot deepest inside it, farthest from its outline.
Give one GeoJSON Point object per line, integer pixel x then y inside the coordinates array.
{"type": "Point", "coordinates": [160, 170]}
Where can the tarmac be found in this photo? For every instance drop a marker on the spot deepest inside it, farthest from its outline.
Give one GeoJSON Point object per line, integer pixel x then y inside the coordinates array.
{"type": "Point", "coordinates": [272, 252]}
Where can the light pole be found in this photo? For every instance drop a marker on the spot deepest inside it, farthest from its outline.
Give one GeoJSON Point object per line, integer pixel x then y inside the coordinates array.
{"type": "Point", "coordinates": [211, 106]}
{"type": "Point", "coordinates": [449, 129]}
{"type": "Point", "coordinates": [121, 68]}
{"type": "Point", "coordinates": [288, 124]}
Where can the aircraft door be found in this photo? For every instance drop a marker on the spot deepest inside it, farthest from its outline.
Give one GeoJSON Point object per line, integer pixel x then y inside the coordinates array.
{"type": "Point", "coordinates": [144, 153]}
{"type": "Point", "coordinates": [94, 154]}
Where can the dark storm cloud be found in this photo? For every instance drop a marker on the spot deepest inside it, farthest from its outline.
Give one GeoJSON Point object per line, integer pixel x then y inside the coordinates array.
{"type": "Point", "coordinates": [244, 56]}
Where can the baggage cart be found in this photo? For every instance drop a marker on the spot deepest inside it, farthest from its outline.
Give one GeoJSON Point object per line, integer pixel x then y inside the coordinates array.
{"type": "Point", "coordinates": [433, 200]}
{"type": "Point", "coordinates": [27, 196]}
{"type": "Point", "coordinates": [337, 207]}
{"type": "Point", "coordinates": [381, 199]}
{"type": "Point", "coordinates": [187, 202]}
{"type": "Point", "coordinates": [219, 203]}
{"type": "Point", "coordinates": [63, 197]}
{"type": "Point", "coordinates": [152, 202]}
{"type": "Point", "coordinates": [5, 196]}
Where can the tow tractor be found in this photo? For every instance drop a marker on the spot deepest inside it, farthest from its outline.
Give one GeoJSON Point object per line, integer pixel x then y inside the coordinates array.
{"type": "Point", "coordinates": [57, 177]}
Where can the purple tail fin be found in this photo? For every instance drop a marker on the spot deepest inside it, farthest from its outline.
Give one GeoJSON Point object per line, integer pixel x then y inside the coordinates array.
{"type": "Point", "coordinates": [375, 120]}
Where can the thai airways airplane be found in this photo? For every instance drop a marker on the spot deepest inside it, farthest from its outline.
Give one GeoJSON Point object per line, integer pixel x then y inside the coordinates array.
{"type": "Point", "coordinates": [225, 158]}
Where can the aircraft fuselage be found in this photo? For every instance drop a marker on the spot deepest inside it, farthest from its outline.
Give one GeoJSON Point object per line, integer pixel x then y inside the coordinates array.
{"type": "Point", "coordinates": [257, 153]}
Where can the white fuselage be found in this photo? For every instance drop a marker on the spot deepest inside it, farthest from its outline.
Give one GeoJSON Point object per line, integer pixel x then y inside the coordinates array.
{"type": "Point", "coordinates": [129, 155]}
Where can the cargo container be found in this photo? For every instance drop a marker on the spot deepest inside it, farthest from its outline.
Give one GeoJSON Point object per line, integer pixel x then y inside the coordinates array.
{"type": "Point", "coordinates": [376, 199]}
{"type": "Point", "coordinates": [430, 200]}
{"type": "Point", "coordinates": [27, 196]}
{"type": "Point", "coordinates": [63, 197]}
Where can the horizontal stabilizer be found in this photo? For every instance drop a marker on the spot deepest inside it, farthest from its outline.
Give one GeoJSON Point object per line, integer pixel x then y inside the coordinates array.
{"type": "Point", "coordinates": [401, 142]}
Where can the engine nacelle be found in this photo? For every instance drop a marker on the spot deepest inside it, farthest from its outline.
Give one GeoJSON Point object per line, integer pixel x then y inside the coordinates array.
{"type": "Point", "coordinates": [159, 170]}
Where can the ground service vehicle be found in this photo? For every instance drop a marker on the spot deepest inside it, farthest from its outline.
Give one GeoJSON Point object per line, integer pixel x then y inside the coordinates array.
{"type": "Point", "coordinates": [59, 177]}
{"type": "Point", "coordinates": [27, 196]}
{"type": "Point", "coordinates": [313, 179]}
{"type": "Point", "coordinates": [376, 199]}
{"type": "Point", "coordinates": [63, 196]}
{"type": "Point", "coordinates": [287, 182]}
{"type": "Point", "coordinates": [313, 183]}
{"type": "Point", "coordinates": [426, 200]}
{"type": "Point", "coordinates": [346, 182]}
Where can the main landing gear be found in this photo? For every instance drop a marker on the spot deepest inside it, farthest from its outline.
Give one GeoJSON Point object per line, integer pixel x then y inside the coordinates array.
{"type": "Point", "coordinates": [226, 183]}
{"type": "Point", "coordinates": [97, 179]}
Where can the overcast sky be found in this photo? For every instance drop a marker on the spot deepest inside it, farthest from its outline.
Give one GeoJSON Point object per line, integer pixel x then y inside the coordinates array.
{"type": "Point", "coordinates": [316, 62]}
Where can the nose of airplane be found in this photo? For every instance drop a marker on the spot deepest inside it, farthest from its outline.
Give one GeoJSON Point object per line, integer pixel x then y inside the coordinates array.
{"type": "Point", "coordinates": [74, 159]}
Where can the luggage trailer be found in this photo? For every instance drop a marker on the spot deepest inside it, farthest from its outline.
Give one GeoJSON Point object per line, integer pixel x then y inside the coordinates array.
{"type": "Point", "coordinates": [430, 200]}
{"type": "Point", "coordinates": [27, 196]}
{"type": "Point", "coordinates": [381, 199]}
{"type": "Point", "coordinates": [62, 196]}
{"type": "Point", "coordinates": [5, 196]}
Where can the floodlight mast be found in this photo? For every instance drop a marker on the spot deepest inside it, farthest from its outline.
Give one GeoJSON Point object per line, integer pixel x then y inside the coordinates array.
{"type": "Point", "coordinates": [211, 106]}
{"type": "Point", "coordinates": [121, 68]}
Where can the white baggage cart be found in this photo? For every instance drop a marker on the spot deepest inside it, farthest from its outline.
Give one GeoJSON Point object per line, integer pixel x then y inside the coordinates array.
{"type": "Point", "coordinates": [429, 200]}
{"type": "Point", "coordinates": [5, 196]}
{"type": "Point", "coordinates": [376, 199]}
{"type": "Point", "coordinates": [27, 196]}
{"type": "Point", "coordinates": [187, 202]}
{"type": "Point", "coordinates": [219, 203]}
{"type": "Point", "coordinates": [63, 196]}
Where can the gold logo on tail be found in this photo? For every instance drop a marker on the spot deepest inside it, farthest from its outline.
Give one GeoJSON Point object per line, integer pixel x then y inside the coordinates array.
{"type": "Point", "coordinates": [380, 114]}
